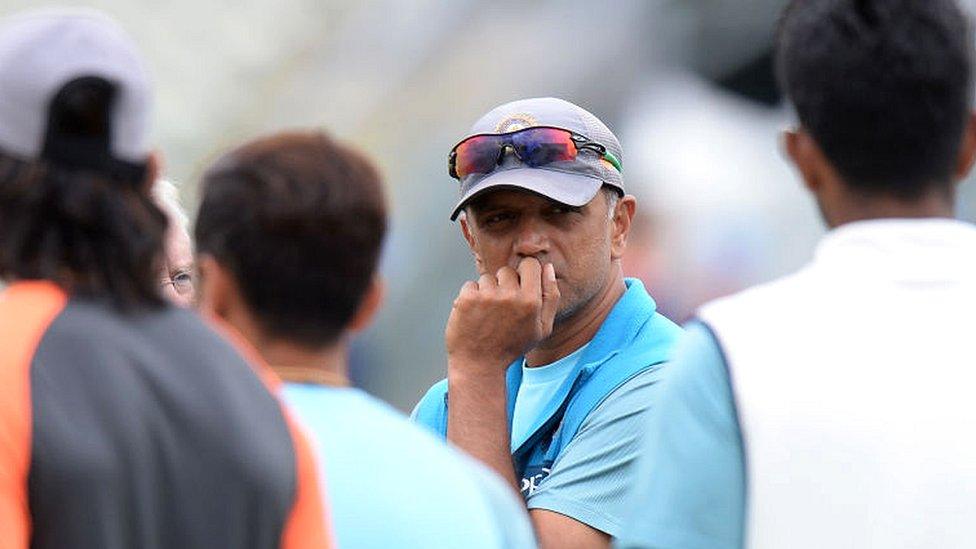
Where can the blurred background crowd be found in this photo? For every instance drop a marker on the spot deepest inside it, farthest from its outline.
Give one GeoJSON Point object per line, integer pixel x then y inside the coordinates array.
{"type": "Point", "coordinates": [687, 85]}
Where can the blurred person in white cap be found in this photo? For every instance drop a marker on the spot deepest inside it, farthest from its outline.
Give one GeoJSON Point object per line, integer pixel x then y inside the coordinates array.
{"type": "Point", "coordinates": [834, 407]}
{"type": "Point", "coordinates": [124, 421]}
{"type": "Point", "coordinates": [552, 354]}
{"type": "Point", "coordinates": [176, 275]}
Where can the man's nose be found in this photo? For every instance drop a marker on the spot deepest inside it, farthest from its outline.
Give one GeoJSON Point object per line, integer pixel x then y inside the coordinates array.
{"type": "Point", "coordinates": [532, 240]}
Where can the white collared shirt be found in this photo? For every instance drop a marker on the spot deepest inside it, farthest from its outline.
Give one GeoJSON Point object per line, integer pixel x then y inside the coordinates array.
{"type": "Point", "coordinates": [853, 381]}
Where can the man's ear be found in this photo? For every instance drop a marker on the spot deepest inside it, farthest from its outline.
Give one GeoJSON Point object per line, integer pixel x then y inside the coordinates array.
{"type": "Point", "coordinates": [469, 238]}
{"type": "Point", "coordinates": [623, 218]}
{"type": "Point", "coordinates": [217, 291]}
{"type": "Point", "coordinates": [369, 306]}
{"type": "Point", "coordinates": [805, 154]}
{"type": "Point", "coordinates": [967, 148]}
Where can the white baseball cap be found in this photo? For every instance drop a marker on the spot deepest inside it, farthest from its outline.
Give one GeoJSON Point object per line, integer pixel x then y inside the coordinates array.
{"type": "Point", "coordinates": [574, 183]}
{"type": "Point", "coordinates": [42, 52]}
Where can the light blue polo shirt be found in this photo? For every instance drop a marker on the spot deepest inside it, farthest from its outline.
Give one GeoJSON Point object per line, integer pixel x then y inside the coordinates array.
{"type": "Point", "coordinates": [388, 483]}
{"type": "Point", "coordinates": [590, 480]}
{"type": "Point", "coordinates": [580, 460]}
{"type": "Point", "coordinates": [690, 482]}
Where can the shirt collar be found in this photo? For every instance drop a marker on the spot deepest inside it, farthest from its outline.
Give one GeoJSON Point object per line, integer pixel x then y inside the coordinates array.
{"type": "Point", "coordinates": [634, 309]}
{"type": "Point", "coordinates": [621, 326]}
{"type": "Point", "coordinates": [618, 330]}
{"type": "Point", "coordinates": [928, 249]}
{"type": "Point", "coordinates": [550, 372]}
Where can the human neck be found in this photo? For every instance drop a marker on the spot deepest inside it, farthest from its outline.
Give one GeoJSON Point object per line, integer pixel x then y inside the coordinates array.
{"type": "Point", "coordinates": [297, 364]}
{"type": "Point", "coordinates": [938, 204]}
{"type": "Point", "coordinates": [575, 331]}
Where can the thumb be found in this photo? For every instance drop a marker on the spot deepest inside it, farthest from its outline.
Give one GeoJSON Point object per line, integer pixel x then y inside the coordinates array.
{"type": "Point", "coordinates": [550, 297]}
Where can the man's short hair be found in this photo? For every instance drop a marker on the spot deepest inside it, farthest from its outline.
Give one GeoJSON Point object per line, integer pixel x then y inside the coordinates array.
{"type": "Point", "coordinates": [883, 86]}
{"type": "Point", "coordinates": [298, 219]}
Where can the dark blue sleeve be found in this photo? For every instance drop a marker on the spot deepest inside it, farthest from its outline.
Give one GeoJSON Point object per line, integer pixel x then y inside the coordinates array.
{"type": "Point", "coordinates": [690, 485]}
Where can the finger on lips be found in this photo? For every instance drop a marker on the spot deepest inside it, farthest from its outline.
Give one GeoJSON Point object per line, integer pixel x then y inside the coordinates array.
{"type": "Point", "coordinates": [549, 279]}
{"type": "Point", "coordinates": [550, 296]}
{"type": "Point", "coordinates": [530, 276]}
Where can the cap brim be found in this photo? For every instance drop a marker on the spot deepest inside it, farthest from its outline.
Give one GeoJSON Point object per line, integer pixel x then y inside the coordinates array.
{"type": "Point", "coordinates": [567, 188]}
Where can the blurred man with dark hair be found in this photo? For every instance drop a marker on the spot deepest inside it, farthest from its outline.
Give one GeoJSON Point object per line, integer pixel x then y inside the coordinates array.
{"type": "Point", "coordinates": [289, 234]}
{"type": "Point", "coordinates": [833, 407]}
{"type": "Point", "coordinates": [124, 422]}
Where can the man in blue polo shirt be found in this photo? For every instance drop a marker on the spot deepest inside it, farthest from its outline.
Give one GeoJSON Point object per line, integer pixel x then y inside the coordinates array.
{"type": "Point", "coordinates": [833, 407]}
{"type": "Point", "coordinates": [553, 356]}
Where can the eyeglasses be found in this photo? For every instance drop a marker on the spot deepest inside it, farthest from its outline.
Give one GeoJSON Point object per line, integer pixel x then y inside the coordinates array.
{"type": "Point", "coordinates": [535, 146]}
{"type": "Point", "coordinates": [182, 282]}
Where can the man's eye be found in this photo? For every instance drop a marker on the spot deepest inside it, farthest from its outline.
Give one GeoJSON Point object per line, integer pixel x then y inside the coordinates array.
{"type": "Point", "coordinates": [182, 276]}
{"type": "Point", "coordinates": [565, 209]}
{"type": "Point", "coordinates": [495, 219]}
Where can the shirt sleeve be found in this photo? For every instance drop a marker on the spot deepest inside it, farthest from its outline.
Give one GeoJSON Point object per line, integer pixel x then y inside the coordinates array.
{"type": "Point", "coordinates": [690, 481]}
{"type": "Point", "coordinates": [590, 479]}
{"type": "Point", "coordinates": [26, 311]}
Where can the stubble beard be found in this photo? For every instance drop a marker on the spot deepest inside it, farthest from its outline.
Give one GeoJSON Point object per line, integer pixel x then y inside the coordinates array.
{"type": "Point", "coordinates": [568, 309]}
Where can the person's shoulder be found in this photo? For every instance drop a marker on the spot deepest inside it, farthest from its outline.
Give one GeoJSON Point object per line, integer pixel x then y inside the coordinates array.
{"type": "Point", "coordinates": [170, 340]}
{"type": "Point", "coordinates": [83, 316]}
{"type": "Point", "coordinates": [780, 292]}
{"type": "Point", "coordinates": [640, 391]}
{"type": "Point", "coordinates": [361, 422]}
{"type": "Point", "coordinates": [436, 392]}
{"type": "Point", "coordinates": [466, 487]}
{"type": "Point", "coordinates": [349, 413]}
{"type": "Point", "coordinates": [431, 411]}
{"type": "Point", "coordinates": [656, 338]}
{"type": "Point", "coordinates": [406, 436]}
{"type": "Point", "coordinates": [629, 399]}
{"type": "Point", "coordinates": [637, 367]}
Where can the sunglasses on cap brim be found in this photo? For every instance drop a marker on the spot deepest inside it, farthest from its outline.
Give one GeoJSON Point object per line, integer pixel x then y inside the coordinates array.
{"type": "Point", "coordinates": [535, 146]}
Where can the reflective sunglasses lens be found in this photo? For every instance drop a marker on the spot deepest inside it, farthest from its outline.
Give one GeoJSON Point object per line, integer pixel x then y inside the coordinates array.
{"type": "Point", "coordinates": [478, 154]}
{"type": "Point", "coordinates": [541, 146]}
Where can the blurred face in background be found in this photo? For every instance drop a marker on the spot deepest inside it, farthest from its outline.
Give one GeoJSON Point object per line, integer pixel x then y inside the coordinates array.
{"type": "Point", "coordinates": [177, 275]}
{"type": "Point", "coordinates": [505, 226]}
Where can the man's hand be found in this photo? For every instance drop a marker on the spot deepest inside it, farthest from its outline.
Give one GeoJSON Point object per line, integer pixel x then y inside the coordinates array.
{"type": "Point", "coordinates": [500, 317]}
{"type": "Point", "coordinates": [494, 321]}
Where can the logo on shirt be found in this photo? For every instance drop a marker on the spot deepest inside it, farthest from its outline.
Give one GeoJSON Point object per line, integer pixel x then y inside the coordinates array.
{"type": "Point", "coordinates": [531, 483]}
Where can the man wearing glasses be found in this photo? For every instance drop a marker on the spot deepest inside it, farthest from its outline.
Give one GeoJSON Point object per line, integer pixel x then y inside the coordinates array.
{"type": "Point", "coordinates": [176, 277]}
{"type": "Point", "coordinates": [553, 355]}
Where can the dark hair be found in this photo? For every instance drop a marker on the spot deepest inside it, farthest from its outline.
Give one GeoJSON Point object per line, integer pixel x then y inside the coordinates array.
{"type": "Point", "coordinates": [93, 233]}
{"type": "Point", "coordinates": [298, 219]}
{"type": "Point", "coordinates": [883, 86]}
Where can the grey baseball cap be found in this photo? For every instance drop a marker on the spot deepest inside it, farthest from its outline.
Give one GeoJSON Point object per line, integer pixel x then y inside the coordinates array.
{"type": "Point", "coordinates": [43, 51]}
{"type": "Point", "coordinates": [573, 182]}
